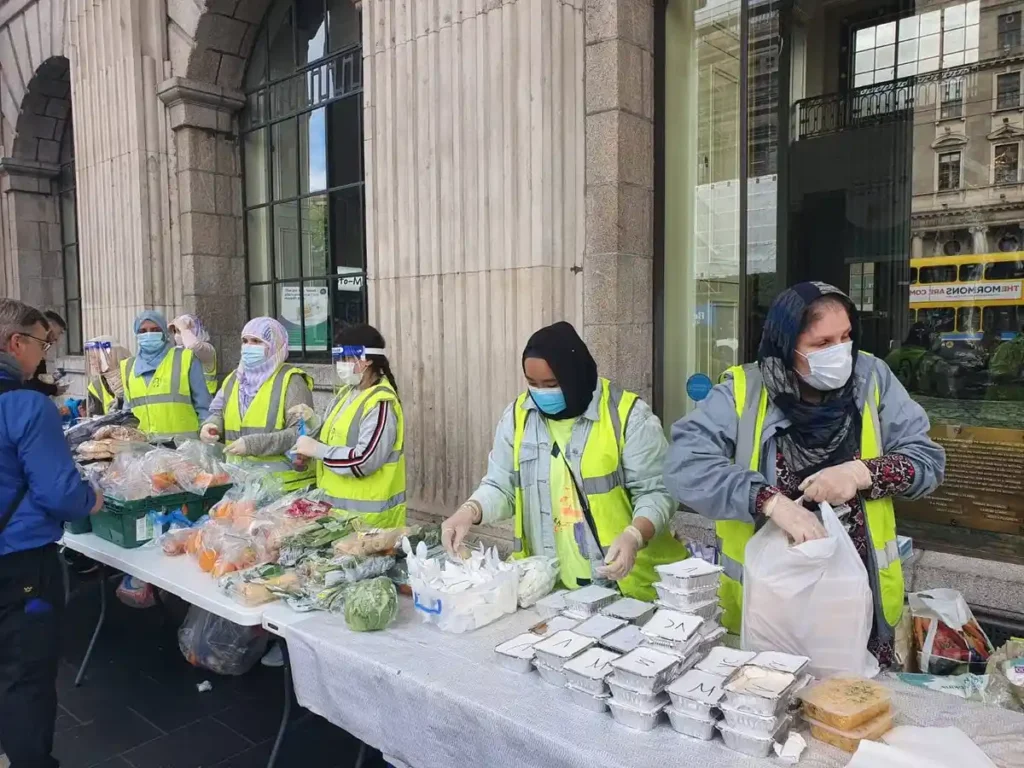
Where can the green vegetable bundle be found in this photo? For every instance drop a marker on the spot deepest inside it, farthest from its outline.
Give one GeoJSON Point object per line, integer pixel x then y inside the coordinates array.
{"type": "Point", "coordinates": [371, 605]}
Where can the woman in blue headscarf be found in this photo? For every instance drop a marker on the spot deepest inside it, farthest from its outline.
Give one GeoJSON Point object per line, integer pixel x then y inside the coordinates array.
{"type": "Point", "coordinates": [164, 385]}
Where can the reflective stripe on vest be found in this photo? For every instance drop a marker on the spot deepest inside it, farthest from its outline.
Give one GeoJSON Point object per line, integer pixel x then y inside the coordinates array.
{"type": "Point", "coordinates": [164, 406]}
{"type": "Point", "coordinates": [380, 496]}
{"type": "Point", "coordinates": [600, 476]}
{"type": "Point", "coordinates": [265, 414]}
{"type": "Point", "coordinates": [733, 535]}
{"type": "Point", "coordinates": [211, 378]}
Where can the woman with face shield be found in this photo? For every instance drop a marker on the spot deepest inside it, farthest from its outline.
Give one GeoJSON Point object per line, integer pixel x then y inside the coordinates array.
{"type": "Point", "coordinates": [813, 420]}
{"type": "Point", "coordinates": [106, 392]}
{"type": "Point", "coordinates": [360, 449]}
{"type": "Point", "coordinates": [261, 405]}
{"type": "Point", "coordinates": [164, 385]}
{"type": "Point", "coordinates": [577, 463]}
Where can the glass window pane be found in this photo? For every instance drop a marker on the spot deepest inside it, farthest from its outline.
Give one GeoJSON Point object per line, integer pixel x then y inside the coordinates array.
{"type": "Point", "coordinates": [285, 153]}
{"type": "Point", "coordinates": [954, 17]}
{"type": "Point", "coordinates": [74, 320]}
{"type": "Point", "coordinates": [864, 61]}
{"type": "Point", "coordinates": [930, 23]}
{"type": "Point", "coordinates": [953, 59]}
{"type": "Point", "coordinates": [971, 39]}
{"type": "Point", "coordinates": [313, 135]}
{"type": "Point", "coordinates": [256, 72]}
{"type": "Point", "coordinates": [909, 27]}
{"type": "Point", "coordinates": [953, 40]}
{"type": "Point", "coordinates": [350, 299]}
{"type": "Point", "coordinates": [929, 47]}
{"type": "Point", "coordinates": [71, 279]}
{"type": "Point", "coordinates": [883, 75]}
{"type": "Point", "coordinates": [885, 34]}
{"type": "Point", "coordinates": [286, 241]}
{"type": "Point", "coordinates": [863, 78]}
{"type": "Point", "coordinates": [973, 11]}
{"type": "Point", "coordinates": [908, 51]}
{"type": "Point", "coordinates": [971, 56]}
{"type": "Point", "coordinates": [260, 304]}
{"type": "Point", "coordinates": [927, 65]}
{"type": "Point", "coordinates": [907, 70]}
{"type": "Point", "coordinates": [310, 30]}
{"type": "Point", "coordinates": [254, 150]}
{"type": "Point", "coordinates": [282, 44]}
{"type": "Point", "coordinates": [865, 38]}
{"type": "Point", "coordinates": [346, 149]}
{"type": "Point", "coordinates": [885, 56]}
{"type": "Point", "coordinates": [257, 223]}
{"type": "Point", "coordinates": [347, 229]}
{"type": "Point", "coordinates": [314, 236]}
{"type": "Point", "coordinates": [305, 307]}
{"type": "Point", "coordinates": [68, 220]}
{"type": "Point", "coordinates": [343, 24]}
{"type": "Point", "coordinates": [255, 110]}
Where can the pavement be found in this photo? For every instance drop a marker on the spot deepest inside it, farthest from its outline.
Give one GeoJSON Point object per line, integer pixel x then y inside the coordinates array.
{"type": "Point", "coordinates": [139, 706]}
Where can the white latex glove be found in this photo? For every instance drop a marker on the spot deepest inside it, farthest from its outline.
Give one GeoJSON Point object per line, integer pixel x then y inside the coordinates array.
{"type": "Point", "coordinates": [799, 523]}
{"type": "Point", "coordinates": [455, 528]}
{"type": "Point", "coordinates": [621, 555]}
{"type": "Point", "coordinates": [209, 434]}
{"type": "Point", "coordinates": [310, 448]}
{"type": "Point", "coordinates": [837, 485]}
{"type": "Point", "coordinates": [237, 448]}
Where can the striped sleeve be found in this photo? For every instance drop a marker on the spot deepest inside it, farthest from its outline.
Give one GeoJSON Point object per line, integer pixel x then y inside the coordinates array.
{"type": "Point", "coordinates": [378, 432]}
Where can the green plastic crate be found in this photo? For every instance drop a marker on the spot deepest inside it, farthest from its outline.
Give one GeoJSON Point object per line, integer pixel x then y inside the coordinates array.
{"type": "Point", "coordinates": [79, 526]}
{"type": "Point", "coordinates": [127, 523]}
{"type": "Point", "coordinates": [212, 496]}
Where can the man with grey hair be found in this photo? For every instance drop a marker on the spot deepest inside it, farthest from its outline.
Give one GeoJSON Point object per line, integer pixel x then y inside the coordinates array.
{"type": "Point", "coordinates": [40, 490]}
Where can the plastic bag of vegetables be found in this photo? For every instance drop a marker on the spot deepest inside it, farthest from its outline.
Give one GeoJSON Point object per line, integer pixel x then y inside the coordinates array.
{"type": "Point", "coordinates": [371, 605]}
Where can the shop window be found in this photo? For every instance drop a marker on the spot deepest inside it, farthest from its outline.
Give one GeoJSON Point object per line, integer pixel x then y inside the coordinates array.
{"type": "Point", "coordinates": [69, 242]}
{"type": "Point", "coordinates": [952, 99]}
{"type": "Point", "coordinates": [862, 286]}
{"type": "Point", "coordinates": [938, 320]}
{"type": "Point", "coordinates": [917, 45]}
{"type": "Point", "coordinates": [1006, 162]}
{"type": "Point", "coordinates": [968, 320]}
{"type": "Point", "coordinates": [303, 164]}
{"type": "Point", "coordinates": [1004, 270]}
{"type": "Point", "coordinates": [1008, 90]}
{"type": "Point", "coordinates": [1008, 35]}
{"type": "Point", "coordinates": [949, 171]}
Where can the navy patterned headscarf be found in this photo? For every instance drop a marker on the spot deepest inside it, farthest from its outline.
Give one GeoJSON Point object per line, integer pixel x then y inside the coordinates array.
{"type": "Point", "coordinates": [822, 433]}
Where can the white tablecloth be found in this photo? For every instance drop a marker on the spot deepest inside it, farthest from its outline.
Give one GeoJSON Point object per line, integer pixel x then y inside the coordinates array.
{"type": "Point", "coordinates": [432, 699]}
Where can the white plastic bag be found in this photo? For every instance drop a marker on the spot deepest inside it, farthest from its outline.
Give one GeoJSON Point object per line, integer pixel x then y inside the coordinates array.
{"type": "Point", "coordinates": [912, 747]}
{"type": "Point", "coordinates": [812, 599]}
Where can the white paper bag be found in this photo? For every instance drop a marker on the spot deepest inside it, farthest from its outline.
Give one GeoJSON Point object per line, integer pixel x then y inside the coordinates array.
{"type": "Point", "coordinates": [813, 599]}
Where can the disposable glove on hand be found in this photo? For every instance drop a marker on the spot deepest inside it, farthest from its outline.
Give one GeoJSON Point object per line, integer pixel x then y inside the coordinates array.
{"type": "Point", "coordinates": [621, 555]}
{"type": "Point", "coordinates": [455, 528]}
{"type": "Point", "coordinates": [307, 446]}
{"type": "Point", "coordinates": [794, 519]}
{"type": "Point", "coordinates": [237, 448]}
{"type": "Point", "coordinates": [837, 485]}
{"type": "Point", "coordinates": [209, 434]}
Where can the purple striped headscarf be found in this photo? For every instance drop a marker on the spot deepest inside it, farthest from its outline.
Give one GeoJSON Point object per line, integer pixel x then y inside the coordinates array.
{"type": "Point", "coordinates": [275, 337]}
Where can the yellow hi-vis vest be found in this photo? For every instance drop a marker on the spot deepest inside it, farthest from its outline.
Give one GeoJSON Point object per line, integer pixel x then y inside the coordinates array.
{"type": "Point", "coordinates": [266, 413]}
{"type": "Point", "coordinates": [733, 535]}
{"type": "Point", "coordinates": [379, 498]}
{"type": "Point", "coordinates": [211, 377]}
{"type": "Point", "coordinates": [164, 407]}
{"type": "Point", "coordinates": [603, 484]}
{"type": "Point", "coordinates": [98, 389]}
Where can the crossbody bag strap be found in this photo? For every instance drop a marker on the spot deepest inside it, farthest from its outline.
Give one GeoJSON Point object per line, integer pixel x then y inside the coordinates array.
{"type": "Point", "coordinates": [19, 496]}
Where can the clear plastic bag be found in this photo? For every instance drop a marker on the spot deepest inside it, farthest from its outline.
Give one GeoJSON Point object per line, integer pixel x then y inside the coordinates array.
{"type": "Point", "coordinates": [947, 638]}
{"type": "Point", "coordinates": [202, 468]}
{"type": "Point", "coordinates": [537, 577]}
{"type": "Point", "coordinates": [812, 599]}
{"type": "Point", "coordinates": [221, 646]}
{"type": "Point", "coordinates": [126, 477]}
{"type": "Point", "coordinates": [261, 584]}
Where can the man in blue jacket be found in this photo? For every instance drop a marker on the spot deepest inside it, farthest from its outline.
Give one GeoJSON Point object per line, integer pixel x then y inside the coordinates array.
{"type": "Point", "coordinates": [40, 490]}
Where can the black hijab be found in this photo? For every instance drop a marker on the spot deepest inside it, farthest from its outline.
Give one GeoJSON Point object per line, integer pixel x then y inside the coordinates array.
{"type": "Point", "coordinates": [823, 433]}
{"type": "Point", "coordinates": [562, 348]}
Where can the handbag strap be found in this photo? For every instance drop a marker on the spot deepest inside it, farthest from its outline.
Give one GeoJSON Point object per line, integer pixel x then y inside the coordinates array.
{"type": "Point", "coordinates": [6, 386]}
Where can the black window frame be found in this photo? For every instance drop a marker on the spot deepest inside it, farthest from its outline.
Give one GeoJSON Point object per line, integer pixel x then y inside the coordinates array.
{"type": "Point", "coordinates": [952, 102]}
{"type": "Point", "coordinates": [67, 187]}
{"type": "Point", "coordinates": [1008, 31]}
{"type": "Point", "coordinates": [333, 78]}
{"type": "Point", "coordinates": [944, 159]}
{"type": "Point", "coordinates": [1001, 174]}
{"type": "Point", "coordinates": [1008, 90]}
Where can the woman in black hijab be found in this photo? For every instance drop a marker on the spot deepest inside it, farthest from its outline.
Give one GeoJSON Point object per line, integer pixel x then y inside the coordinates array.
{"type": "Point", "coordinates": [578, 463]}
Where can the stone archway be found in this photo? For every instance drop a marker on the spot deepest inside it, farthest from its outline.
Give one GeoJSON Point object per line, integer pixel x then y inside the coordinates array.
{"type": "Point", "coordinates": [33, 267]}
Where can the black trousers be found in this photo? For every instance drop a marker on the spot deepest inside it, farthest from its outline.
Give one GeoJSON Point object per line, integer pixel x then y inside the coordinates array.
{"type": "Point", "coordinates": [31, 612]}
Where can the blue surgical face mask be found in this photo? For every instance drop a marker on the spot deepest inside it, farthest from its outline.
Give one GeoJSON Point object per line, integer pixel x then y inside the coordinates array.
{"type": "Point", "coordinates": [150, 341]}
{"type": "Point", "coordinates": [253, 355]}
{"type": "Point", "coordinates": [549, 401]}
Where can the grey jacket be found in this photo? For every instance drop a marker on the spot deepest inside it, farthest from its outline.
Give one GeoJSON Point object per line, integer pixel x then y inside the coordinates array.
{"type": "Point", "coordinates": [272, 443]}
{"type": "Point", "coordinates": [700, 472]}
{"type": "Point", "coordinates": [641, 461]}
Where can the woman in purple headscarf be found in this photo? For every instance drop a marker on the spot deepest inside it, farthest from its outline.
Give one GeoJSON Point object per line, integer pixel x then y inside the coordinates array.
{"type": "Point", "coordinates": [264, 405]}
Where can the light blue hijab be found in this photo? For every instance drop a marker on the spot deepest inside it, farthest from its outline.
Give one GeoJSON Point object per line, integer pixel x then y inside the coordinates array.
{"type": "Point", "coordinates": [147, 362]}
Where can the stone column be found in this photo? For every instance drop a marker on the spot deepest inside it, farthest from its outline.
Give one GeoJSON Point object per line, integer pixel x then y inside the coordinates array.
{"type": "Point", "coordinates": [917, 245]}
{"type": "Point", "coordinates": [32, 259]}
{"type": "Point", "coordinates": [209, 192]}
{"type": "Point", "coordinates": [979, 239]}
{"type": "Point", "coordinates": [618, 322]}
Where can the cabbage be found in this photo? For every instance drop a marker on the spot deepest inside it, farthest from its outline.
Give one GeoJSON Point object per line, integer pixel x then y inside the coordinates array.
{"type": "Point", "coordinates": [371, 605]}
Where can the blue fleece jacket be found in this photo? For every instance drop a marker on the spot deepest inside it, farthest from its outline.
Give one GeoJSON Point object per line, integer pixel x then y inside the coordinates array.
{"type": "Point", "coordinates": [33, 454]}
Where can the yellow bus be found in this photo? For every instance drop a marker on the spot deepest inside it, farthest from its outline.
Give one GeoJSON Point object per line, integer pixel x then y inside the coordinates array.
{"type": "Point", "coordinates": [963, 297]}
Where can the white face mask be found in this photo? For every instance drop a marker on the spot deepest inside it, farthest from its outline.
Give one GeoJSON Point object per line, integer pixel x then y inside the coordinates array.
{"type": "Point", "coordinates": [347, 373]}
{"type": "Point", "coordinates": [830, 367]}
